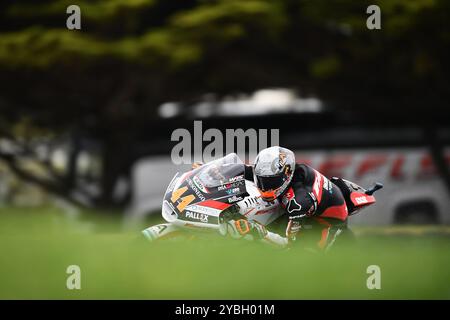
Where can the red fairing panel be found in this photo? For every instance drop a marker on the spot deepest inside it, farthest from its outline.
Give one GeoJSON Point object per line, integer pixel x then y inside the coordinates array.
{"type": "Point", "coordinates": [215, 204]}
{"type": "Point", "coordinates": [361, 199]}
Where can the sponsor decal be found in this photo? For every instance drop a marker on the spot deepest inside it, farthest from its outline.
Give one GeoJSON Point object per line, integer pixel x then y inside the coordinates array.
{"type": "Point", "coordinates": [361, 200]}
{"type": "Point", "coordinates": [196, 191]}
{"type": "Point", "coordinates": [230, 185]}
{"type": "Point", "coordinates": [327, 185]}
{"type": "Point", "coordinates": [233, 191]}
{"type": "Point", "coordinates": [197, 216]}
{"type": "Point", "coordinates": [237, 178]}
{"type": "Point", "coordinates": [202, 209]}
{"type": "Point", "coordinates": [234, 199]}
{"type": "Point", "coordinates": [224, 187]}
{"type": "Point", "coordinates": [318, 184]}
{"type": "Point", "coordinates": [297, 216]}
{"type": "Point", "coordinates": [199, 184]}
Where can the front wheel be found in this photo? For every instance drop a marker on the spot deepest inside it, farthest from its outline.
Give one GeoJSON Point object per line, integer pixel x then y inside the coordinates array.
{"type": "Point", "coordinates": [162, 231]}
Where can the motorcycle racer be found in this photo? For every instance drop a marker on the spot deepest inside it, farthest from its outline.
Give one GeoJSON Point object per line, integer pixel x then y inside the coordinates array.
{"type": "Point", "coordinates": [314, 205]}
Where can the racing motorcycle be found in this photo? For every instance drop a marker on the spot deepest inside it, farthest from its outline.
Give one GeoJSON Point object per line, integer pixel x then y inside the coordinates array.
{"type": "Point", "coordinates": [200, 199]}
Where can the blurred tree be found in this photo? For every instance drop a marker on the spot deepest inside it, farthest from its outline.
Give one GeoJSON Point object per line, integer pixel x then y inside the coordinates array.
{"type": "Point", "coordinates": [105, 81]}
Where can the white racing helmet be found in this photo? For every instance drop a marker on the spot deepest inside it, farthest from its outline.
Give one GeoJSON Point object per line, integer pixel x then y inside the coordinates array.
{"type": "Point", "coordinates": [273, 171]}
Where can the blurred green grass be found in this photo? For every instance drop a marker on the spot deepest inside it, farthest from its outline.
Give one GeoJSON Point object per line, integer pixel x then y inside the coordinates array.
{"type": "Point", "coordinates": [37, 246]}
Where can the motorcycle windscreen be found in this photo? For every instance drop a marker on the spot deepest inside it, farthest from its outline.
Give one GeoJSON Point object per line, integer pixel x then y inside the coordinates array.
{"type": "Point", "coordinates": [220, 171]}
{"type": "Point", "coordinates": [220, 180]}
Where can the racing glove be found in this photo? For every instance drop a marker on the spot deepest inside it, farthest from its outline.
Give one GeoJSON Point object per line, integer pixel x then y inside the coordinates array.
{"type": "Point", "coordinates": [292, 229]}
{"type": "Point", "coordinates": [242, 228]}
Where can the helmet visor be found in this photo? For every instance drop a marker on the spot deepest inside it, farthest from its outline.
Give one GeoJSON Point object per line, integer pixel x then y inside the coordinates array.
{"type": "Point", "coordinates": [269, 183]}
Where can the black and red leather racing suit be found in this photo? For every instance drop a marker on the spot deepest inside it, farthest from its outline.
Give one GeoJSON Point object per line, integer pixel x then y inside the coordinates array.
{"type": "Point", "coordinates": [314, 205]}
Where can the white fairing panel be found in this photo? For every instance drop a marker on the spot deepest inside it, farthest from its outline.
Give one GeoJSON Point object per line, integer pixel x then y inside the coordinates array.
{"type": "Point", "coordinates": [256, 209]}
{"type": "Point", "coordinates": [252, 207]}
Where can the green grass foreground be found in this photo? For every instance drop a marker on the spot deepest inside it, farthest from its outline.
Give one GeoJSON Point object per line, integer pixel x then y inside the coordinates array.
{"type": "Point", "coordinates": [37, 247]}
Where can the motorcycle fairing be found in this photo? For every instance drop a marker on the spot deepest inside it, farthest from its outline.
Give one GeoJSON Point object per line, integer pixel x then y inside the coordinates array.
{"type": "Point", "coordinates": [355, 195]}
{"type": "Point", "coordinates": [200, 195]}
